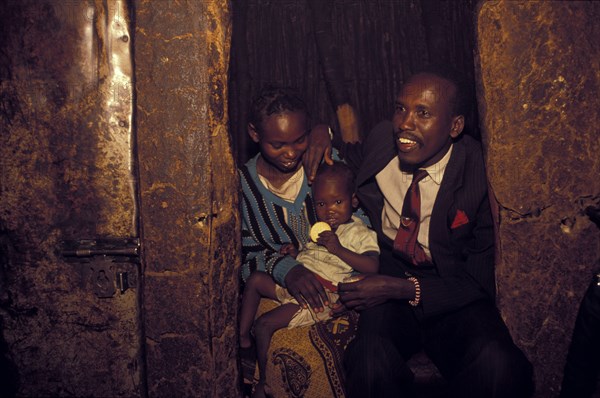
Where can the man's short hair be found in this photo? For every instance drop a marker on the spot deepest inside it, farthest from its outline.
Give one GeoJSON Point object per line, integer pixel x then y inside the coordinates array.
{"type": "Point", "coordinates": [462, 100]}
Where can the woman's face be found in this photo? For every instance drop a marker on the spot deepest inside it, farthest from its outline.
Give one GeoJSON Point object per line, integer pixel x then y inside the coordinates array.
{"type": "Point", "coordinates": [282, 140]}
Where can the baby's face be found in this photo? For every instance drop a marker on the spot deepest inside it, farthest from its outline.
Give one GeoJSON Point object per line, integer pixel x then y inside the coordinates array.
{"type": "Point", "coordinates": [334, 202]}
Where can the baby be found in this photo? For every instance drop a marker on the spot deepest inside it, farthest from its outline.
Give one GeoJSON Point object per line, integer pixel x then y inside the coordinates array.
{"type": "Point", "coordinates": [350, 247]}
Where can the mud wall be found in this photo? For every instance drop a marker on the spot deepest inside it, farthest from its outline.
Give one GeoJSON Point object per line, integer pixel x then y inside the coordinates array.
{"type": "Point", "coordinates": [188, 198]}
{"type": "Point", "coordinates": [113, 129]}
{"type": "Point", "coordinates": [539, 77]}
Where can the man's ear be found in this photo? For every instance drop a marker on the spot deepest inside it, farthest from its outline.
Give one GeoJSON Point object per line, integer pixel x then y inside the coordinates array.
{"type": "Point", "coordinates": [458, 124]}
{"type": "Point", "coordinates": [253, 133]}
{"type": "Point", "coordinates": [354, 201]}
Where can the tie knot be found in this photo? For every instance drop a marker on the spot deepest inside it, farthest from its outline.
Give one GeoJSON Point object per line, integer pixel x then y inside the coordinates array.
{"type": "Point", "coordinates": [418, 175]}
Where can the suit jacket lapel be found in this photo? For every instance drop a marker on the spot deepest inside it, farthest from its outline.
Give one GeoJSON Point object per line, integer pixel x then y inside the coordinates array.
{"type": "Point", "coordinates": [379, 149]}
{"type": "Point", "coordinates": [452, 181]}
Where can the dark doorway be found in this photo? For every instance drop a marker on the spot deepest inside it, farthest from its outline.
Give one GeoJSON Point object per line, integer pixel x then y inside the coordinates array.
{"type": "Point", "coordinates": [368, 49]}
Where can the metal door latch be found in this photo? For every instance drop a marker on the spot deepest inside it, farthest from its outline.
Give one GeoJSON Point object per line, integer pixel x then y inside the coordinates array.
{"type": "Point", "coordinates": [105, 265]}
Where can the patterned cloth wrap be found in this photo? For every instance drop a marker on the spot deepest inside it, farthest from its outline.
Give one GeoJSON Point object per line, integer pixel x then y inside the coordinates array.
{"type": "Point", "coordinates": [306, 361]}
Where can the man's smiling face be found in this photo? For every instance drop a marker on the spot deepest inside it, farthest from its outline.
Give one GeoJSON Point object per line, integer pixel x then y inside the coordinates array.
{"type": "Point", "coordinates": [424, 120]}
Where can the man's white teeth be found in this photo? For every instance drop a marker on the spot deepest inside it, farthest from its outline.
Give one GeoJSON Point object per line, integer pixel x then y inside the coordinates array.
{"type": "Point", "coordinates": [406, 141]}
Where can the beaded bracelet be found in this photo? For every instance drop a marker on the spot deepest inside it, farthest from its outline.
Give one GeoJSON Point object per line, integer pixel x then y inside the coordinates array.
{"type": "Point", "coordinates": [417, 299]}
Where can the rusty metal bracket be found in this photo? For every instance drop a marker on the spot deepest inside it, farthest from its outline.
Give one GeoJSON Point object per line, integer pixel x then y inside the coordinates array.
{"type": "Point", "coordinates": [104, 265]}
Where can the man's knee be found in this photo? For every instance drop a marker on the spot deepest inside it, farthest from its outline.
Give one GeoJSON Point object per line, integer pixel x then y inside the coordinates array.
{"type": "Point", "coordinates": [506, 369]}
{"type": "Point", "coordinates": [374, 368]}
{"type": "Point", "coordinates": [363, 347]}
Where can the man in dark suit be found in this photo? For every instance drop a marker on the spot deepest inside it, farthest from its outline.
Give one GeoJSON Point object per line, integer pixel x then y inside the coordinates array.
{"type": "Point", "coordinates": [439, 293]}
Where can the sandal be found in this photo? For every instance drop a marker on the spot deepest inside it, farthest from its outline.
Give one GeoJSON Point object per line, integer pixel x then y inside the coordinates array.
{"type": "Point", "coordinates": [248, 362]}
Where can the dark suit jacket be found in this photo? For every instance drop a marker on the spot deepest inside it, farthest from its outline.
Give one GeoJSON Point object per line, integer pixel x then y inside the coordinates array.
{"type": "Point", "coordinates": [463, 256]}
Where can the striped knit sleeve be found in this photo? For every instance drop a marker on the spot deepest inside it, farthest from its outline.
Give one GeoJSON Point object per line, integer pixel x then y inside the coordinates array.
{"type": "Point", "coordinates": [261, 238]}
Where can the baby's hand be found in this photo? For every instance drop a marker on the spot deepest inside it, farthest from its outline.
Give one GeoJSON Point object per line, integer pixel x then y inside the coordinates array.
{"type": "Point", "coordinates": [289, 250]}
{"type": "Point", "coordinates": [330, 240]}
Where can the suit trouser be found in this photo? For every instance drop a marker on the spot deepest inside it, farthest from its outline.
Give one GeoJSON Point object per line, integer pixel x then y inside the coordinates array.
{"type": "Point", "coordinates": [471, 347]}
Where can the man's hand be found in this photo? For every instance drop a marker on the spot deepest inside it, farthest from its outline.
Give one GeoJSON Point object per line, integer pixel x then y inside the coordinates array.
{"type": "Point", "coordinates": [306, 288]}
{"type": "Point", "coordinates": [373, 290]}
{"type": "Point", "coordinates": [338, 309]}
{"type": "Point", "coordinates": [319, 148]}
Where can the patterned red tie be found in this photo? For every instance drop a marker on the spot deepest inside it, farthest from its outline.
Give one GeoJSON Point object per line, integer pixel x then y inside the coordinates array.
{"type": "Point", "coordinates": [406, 238]}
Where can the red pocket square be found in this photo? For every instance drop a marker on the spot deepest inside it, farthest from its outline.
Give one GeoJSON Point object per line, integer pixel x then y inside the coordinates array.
{"type": "Point", "coordinates": [460, 219]}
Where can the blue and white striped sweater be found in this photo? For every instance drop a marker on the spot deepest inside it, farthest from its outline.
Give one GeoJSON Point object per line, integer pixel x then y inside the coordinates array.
{"type": "Point", "coordinates": [264, 228]}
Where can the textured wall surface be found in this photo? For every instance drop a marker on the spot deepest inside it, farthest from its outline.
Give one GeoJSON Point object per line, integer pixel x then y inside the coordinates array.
{"type": "Point", "coordinates": [66, 174]}
{"type": "Point", "coordinates": [189, 218]}
{"type": "Point", "coordinates": [539, 66]}
{"type": "Point", "coordinates": [71, 130]}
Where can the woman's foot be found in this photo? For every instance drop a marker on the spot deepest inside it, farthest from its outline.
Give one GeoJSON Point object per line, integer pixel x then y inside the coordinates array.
{"type": "Point", "coordinates": [248, 361]}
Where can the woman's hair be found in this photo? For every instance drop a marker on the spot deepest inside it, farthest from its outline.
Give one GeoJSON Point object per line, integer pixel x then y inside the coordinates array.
{"type": "Point", "coordinates": [274, 100]}
{"type": "Point", "coordinates": [339, 171]}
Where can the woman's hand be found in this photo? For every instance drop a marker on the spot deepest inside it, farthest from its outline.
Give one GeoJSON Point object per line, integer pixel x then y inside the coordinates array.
{"type": "Point", "coordinates": [306, 288]}
{"type": "Point", "coordinates": [288, 249]}
{"type": "Point", "coordinates": [319, 148]}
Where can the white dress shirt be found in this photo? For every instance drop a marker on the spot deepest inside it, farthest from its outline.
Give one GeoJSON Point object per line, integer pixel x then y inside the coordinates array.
{"type": "Point", "coordinates": [394, 184]}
